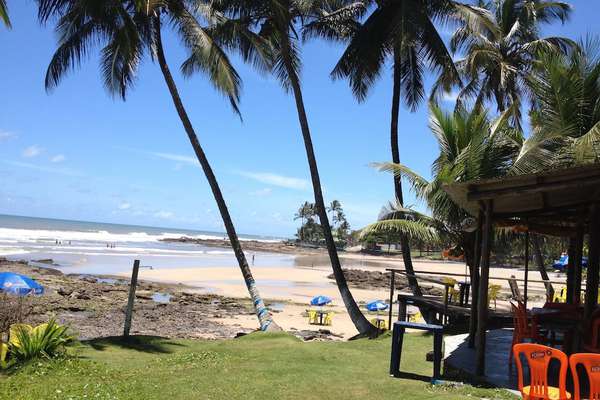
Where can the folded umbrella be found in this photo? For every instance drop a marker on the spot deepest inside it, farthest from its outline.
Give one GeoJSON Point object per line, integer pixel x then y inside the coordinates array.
{"type": "Point", "coordinates": [20, 285]}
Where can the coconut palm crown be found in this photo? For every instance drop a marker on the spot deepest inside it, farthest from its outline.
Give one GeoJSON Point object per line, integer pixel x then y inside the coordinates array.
{"type": "Point", "coordinates": [500, 49]}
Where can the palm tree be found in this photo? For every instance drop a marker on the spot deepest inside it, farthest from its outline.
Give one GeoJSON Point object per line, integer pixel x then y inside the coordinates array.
{"type": "Point", "coordinates": [501, 48]}
{"type": "Point", "coordinates": [305, 211]}
{"type": "Point", "coordinates": [566, 111]}
{"type": "Point", "coordinates": [335, 207]}
{"type": "Point", "coordinates": [277, 22]}
{"type": "Point", "coordinates": [405, 33]}
{"type": "Point", "coordinates": [130, 28]}
{"type": "Point", "coordinates": [471, 147]}
{"type": "Point", "coordinates": [4, 13]}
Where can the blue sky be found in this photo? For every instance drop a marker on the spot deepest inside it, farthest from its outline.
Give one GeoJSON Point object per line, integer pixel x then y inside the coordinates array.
{"type": "Point", "coordinates": [77, 153]}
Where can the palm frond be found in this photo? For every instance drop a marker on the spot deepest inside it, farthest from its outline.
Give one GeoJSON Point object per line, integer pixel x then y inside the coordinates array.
{"type": "Point", "coordinates": [419, 184]}
{"type": "Point", "coordinates": [4, 13]}
{"type": "Point", "coordinates": [412, 229]}
{"type": "Point", "coordinates": [207, 56]}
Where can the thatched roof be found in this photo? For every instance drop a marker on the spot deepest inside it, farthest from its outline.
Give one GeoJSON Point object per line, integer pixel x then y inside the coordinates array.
{"type": "Point", "coordinates": [550, 202]}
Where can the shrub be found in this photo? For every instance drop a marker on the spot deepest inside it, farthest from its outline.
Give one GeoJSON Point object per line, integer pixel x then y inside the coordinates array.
{"type": "Point", "coordinates": [43, 341]}
{"type": "Point", "coordinates": [13, 310]}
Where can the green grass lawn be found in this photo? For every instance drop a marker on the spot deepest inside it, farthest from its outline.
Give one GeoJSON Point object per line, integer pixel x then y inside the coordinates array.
{"type": "Point", "coordinates": [257, 366]}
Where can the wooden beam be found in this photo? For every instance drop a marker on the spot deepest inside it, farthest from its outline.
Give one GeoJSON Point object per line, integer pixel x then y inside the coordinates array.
{"type": "Point", "coordinates": [578, 270]}
{"type": "Point", "coordinates": [526, 284]}
{"type": "Point", "coordinates": [591, 293]}
{"type": "Point", "coordinates": [392, 287]}
{"type": "Point", "coordinates": [475, 282]}
{"type": "Point", "coordinates": [539, 187]}
{"type": "Point", "coordinates": [482, 309]}
{"type": "Point", "coordinates": [571, 269]}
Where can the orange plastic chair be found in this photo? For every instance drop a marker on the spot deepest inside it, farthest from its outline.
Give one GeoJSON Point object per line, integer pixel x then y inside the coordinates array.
{"type": "Point", "coordinates": [538, 358]}
{"type": "Point", "coordinates": [524, 328]}
{"type": "Point", "coordinates": [591, 363]}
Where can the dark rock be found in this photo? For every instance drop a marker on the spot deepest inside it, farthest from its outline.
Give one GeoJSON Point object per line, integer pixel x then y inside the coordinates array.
{"type": "Point", "coordinates": [64, 292]}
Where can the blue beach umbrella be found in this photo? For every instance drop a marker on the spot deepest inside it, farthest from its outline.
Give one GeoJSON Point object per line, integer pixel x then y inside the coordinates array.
{"type": "Point", "coordinates": [377, 305]}
{"type": "Point", "coordinates": [20, 285]}
{"type": "Point", "coordinates": [320, 301]}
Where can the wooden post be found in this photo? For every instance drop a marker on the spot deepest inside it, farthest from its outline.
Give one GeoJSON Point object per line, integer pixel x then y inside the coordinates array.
{"type": "Point", "coordinates": [131, 300]}
{"type": "Point", "coordinates": [526, 268]}
{"type": "Point", "coordinates": [482, 310]}
{"type": "Point", "coordinates": [577, 273]}
{"type": "Point", "coordinates": [591, 293]}
{"type": "Point", "coordinates": [392, 284]}
{"type": "Point", "coordinates": [571, 268]}
{"type": "Point", "coordinates": [475, 281]}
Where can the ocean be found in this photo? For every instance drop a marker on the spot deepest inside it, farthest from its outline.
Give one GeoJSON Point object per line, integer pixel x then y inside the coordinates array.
{"type": "Point", "coordinates": [101, 248]}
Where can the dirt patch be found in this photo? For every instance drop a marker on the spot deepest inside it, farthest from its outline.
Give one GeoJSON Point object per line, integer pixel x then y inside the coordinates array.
{"type": "Point", "coordinates": [95, 306]}
{"type": "Point", "coordinates": [376, 280]}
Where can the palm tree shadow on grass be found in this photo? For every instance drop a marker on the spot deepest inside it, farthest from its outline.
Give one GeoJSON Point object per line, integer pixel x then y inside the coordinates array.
{"type": "Point", "coordinates": [146, 344]}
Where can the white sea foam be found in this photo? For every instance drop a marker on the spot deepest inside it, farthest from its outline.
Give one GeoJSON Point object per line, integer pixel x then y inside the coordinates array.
{"type": "Point", "coordinates": [41, 235]}
{"type": "Point", "coordinates": [11, 251]}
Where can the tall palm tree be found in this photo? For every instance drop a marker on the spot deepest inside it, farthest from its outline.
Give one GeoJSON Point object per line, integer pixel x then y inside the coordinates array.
{"type": "Point", "coordinates": [499, 56]}
{"type": "Point", "coordinates": [278, 22]}
{"type": "Point", "coordinates": [335, 207]}
{"type": "Point", "coordinates": [405, 34]}
{"type": "Point", "coordinates": [129, 29]}
{"type": "Point", "coordinates": [4, 13]}
{"type": "Point", "coordinates": [566, 110]}
{"type": "Point", "coordinates": [305, 211]}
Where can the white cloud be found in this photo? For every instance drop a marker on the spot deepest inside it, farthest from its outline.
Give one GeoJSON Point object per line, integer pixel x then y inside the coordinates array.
{"type": "Point", "coordinates": [61, 171]}
{"type": "Point", "coordinates": [58, 158]}
{"type": "Point", "coordinates": [262, 192]}
{"type": "Point", "coordinates": [276, 180]}
{"type": "Point", "coordinates": [175, 157]}
{"type": "Point", "coordinates": [5, 135]}
{"type": "Point", "coordinates": [179, 158]}
{"type": "Point", "coordinates": [164, 214]}
{"type": "Point", "coordinates": [32, 151]}
{"type": "Point", "coordinates": [124, 206]}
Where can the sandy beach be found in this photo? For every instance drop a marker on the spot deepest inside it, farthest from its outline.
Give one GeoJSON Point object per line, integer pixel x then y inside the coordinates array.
{"type": "Point", "coordinates": [291, 288]}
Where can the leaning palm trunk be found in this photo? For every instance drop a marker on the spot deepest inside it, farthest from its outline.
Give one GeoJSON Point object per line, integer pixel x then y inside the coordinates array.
{"type": "Point", "coordinates": [364, 327]}
{"type": "Point", "coordinates": [264, 316]}
{"type": "Point", "coordinates": [537, 251]}
{"type": "Point", "coordinates": [405, 247]}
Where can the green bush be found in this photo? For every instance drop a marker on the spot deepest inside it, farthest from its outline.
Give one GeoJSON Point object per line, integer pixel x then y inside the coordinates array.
{"type": "Point", "coordinates": [43, 341]}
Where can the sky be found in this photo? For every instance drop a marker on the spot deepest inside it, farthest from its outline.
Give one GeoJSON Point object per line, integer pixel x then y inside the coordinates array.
{"type": "Point", "coordinates": [78, 153]}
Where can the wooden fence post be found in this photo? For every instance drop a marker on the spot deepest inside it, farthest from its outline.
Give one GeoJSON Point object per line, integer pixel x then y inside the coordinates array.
{"type": "Point", "coordinates": [131, 300]}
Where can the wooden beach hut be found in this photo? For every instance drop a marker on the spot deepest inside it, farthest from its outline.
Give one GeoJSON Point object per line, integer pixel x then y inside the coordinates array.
{"type": "Point", "coordinates": [562, 202]}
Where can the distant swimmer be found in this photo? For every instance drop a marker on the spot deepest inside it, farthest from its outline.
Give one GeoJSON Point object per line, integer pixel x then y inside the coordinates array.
{"type": "Point", "coordinates": [252, 259]}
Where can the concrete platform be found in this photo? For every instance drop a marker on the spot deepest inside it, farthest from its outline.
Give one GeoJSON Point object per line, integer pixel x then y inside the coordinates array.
{"type": "Point", "coordinates": [459, 358]}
